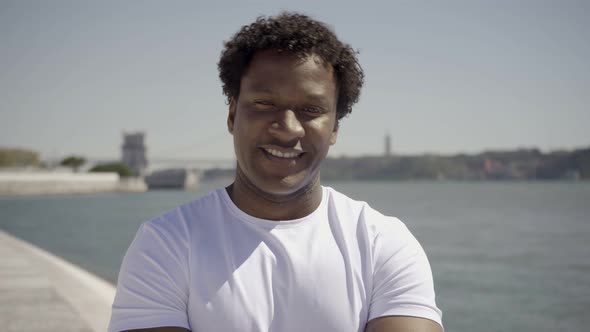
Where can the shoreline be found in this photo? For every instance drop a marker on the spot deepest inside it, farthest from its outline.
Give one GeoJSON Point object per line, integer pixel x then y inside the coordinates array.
{"type": "Point", "coordinates": [15, 184]}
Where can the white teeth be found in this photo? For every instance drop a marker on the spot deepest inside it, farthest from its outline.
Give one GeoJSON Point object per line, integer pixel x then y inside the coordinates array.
{"type": "Point", "coordinates": [280, 154]}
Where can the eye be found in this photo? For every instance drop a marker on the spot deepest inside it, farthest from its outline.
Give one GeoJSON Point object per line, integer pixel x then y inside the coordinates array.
{"type": "Point", "coordinates": [264, 104]}
{"type": "Point", "coordinates": [313, 110]}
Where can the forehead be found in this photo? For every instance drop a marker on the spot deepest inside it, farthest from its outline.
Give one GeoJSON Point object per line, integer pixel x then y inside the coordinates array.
{"type": "Point", "coordinates": [271, 69]}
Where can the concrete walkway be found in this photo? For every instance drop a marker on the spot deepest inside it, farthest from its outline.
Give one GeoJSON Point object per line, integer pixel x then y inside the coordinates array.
{"type": "Point", "coordinates": [42, 292]}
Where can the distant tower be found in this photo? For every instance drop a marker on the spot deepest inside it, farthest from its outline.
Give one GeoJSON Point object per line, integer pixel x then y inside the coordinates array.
{"type": "Point", "coordinates": [133, 153]}
{"type": "Point", "coordinates": [387, 145]}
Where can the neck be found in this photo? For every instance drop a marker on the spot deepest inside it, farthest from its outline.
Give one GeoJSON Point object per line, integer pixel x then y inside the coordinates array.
{"type": "Point", "coordinates": [260, 204]}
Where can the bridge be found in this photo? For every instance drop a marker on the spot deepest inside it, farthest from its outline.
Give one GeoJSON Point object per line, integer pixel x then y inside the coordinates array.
{"type": "Point", "coordinates": [200, 164]}
{"type": "Point", "coordinates": [134, 155]}
{"type": "Point", "coordinates": [155, 164]}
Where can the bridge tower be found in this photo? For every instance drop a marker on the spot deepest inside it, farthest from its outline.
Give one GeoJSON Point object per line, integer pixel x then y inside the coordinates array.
{"type": "Point", "coordinates": [387, 145]}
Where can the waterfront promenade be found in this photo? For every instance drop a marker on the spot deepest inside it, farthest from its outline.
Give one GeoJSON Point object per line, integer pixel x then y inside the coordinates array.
{"type": "Point", "coordinates": [23, 183]}
{"type": "Point", "coordinates": [42, 292]}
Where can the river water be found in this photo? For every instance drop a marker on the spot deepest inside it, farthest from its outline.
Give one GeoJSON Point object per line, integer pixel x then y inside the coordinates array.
{"type": "Point", "coordinates": [506, 256]}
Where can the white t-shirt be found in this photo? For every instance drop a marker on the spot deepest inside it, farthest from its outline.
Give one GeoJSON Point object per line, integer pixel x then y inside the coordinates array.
{"type": "Point", "coordinates": [208, 266]}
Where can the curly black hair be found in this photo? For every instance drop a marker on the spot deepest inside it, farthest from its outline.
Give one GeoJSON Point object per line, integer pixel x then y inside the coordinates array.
{"type": "Point", "coordinates": [299, 35]}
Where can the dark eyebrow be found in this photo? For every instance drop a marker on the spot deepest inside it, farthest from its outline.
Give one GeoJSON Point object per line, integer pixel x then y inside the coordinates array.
{"type": "Point", "coordinates": [316, 98]}
{"type": "Point", "coordinates": [263, 88]}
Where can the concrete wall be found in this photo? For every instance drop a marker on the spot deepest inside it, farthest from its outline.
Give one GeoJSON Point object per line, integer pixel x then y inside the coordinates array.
{"type": "Point", "coordinates": [38, 183]}
{"type": "Point", "coordinates": [42, 292]}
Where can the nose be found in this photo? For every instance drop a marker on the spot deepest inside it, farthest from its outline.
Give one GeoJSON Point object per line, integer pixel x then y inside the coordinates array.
{"type": "Point", "coordinates": [287, 126]}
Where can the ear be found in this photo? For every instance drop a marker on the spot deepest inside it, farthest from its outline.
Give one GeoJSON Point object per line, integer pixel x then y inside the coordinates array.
{"type": "Point", "coordinates": [231, 115]}
{"type": "Point", "coordinates": [334, 134]}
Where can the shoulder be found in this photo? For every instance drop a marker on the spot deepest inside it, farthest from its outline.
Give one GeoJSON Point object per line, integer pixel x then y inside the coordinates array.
{"type": "Point", "coordinates": [186, 216]}
{"type": "Point", "coordinates": [400, 277]}
{"type": "Point", "coordinates": [343, 207]}
{"type": "Point", "coordinates": [173, 231]}
{"type": "Point", "coordinates": [374, 224]}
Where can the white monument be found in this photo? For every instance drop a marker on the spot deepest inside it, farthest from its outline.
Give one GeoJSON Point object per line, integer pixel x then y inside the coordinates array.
{"type": "Point", "coordinates": [134, 152]}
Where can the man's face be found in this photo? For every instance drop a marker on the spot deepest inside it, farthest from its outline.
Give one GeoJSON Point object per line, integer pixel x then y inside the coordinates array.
{"type": "Point", "coordinates": [283, 121]}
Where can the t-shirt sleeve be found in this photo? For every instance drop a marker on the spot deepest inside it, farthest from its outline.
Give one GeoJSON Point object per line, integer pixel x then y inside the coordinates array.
{"type": "Point", "coordinates": [402, 278]}
{"type": "Point", "coordinates": [152, 289]}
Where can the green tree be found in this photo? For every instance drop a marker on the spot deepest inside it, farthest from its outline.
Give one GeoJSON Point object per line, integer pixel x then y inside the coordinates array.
{"type": "Point", "coordinates": [73, 162]}
{"type": "Point", "coordinates": [118, 168]}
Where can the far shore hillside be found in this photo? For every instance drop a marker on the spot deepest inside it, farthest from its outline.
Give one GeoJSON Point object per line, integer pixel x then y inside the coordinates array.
{"type": "Point", "coordinates": [521, 164]}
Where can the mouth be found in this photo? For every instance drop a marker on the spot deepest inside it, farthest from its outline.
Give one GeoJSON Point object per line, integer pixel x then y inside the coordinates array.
{"type": "Point", "coordinates": [287, 155]}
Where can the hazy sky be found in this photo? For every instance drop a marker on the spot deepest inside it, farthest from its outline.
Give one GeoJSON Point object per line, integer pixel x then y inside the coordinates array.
{"type": "Point", "coordinates": [441, 76]}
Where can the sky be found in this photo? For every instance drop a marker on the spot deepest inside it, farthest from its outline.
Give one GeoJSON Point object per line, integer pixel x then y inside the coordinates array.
{"type": "Point", "coordinates": [441, 76]}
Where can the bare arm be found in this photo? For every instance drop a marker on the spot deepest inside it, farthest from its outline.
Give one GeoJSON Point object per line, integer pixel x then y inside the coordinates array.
{"type": "Point", "coordinates": [402, 324]}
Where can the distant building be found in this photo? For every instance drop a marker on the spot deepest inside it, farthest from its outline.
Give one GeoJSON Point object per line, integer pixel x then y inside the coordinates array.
{"type": "Point", "coordinates": [173, 178]}
{"type": "Point", "coordinates": [134, 153]}
{"type": "Point", "coordinates": [387, 145]}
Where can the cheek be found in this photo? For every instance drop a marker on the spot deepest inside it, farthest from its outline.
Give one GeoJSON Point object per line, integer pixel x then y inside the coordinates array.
{"type": "Point", "coordinates": [252, 119]}
{"type": "Point", "coordinates": [242, 123]}
{"type": "Point", "coordinates": [249, 128]}
{"type": "Point", "coordinates": [324, 127]}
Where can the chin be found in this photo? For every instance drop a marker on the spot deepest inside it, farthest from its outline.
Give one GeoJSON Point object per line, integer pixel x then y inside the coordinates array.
{"type": "Point", "coordinates": [287, 186]}
{"type": "Point", "coordinates": [281, 188]}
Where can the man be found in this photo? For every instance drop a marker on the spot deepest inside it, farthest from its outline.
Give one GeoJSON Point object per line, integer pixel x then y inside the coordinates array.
{"type": "Point", "coordinates": [276, 251]}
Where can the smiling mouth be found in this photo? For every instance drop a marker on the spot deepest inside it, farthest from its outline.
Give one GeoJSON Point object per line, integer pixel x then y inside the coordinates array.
{"type": "Point", "coordinates": [285, 155]}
